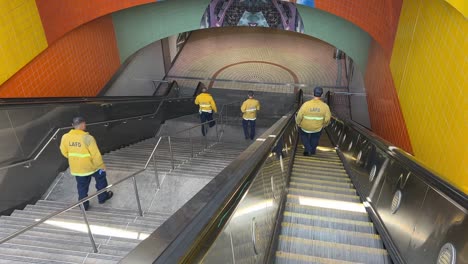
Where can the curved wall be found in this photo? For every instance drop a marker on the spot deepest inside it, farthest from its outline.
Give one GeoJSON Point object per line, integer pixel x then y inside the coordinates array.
{"type": "Point", "coordinates": [61, 16]}
{"type": "Point", "coordinates": [79, 64]}
{"type": "Point", "coordinates": [139, 26]}
{"type": "Point", "coordinates": [429, 66]}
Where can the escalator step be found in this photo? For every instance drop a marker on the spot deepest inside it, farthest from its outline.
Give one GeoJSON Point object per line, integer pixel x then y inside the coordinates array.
{"type": "Point", "coordinates": [315, 187]}
{"type": "Point", "coordinates": [333, 250]}
{"type": "Point", "coordinates": [332, 178]}
{"type": "Point", "coordinates": [309, 160]}
{"type": "Point", "coordinates": [318, 165]}
{"type": "Point", "coordinates": [291, 258]}
{"type": "Point", "coordinates": [327, 212]}
{"type": "Point", "coordinates": [318, 169]}
{"type": "Point", "coordinates": [322, 182]}
{"type": "Point", "coordinates": [331, 235]}
{"type": "Point", "coordinates": [325, 195]}
{"type": "Point", "coordinates": [329, 222]}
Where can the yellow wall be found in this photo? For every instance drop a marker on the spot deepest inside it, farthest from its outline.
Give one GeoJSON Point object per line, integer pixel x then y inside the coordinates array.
{"type": "Point", "coordinates": [21, 35]}
{"type": "Point", "coordinates": [461, 5]}
{"type": "Point", "coordinates": [430, 68]}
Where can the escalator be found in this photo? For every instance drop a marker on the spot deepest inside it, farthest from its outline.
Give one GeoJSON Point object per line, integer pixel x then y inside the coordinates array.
{"type": "Point", "coordinates": [358, 200]}
{"type": "Point", "coordinates": [324, 220]}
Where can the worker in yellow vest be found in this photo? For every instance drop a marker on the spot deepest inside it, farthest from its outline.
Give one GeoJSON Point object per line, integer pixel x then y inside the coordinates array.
{"type": "Point", "coordinates": [249, 110]}
{"type": "Point", "coordinates": [85, 161]}
{"type": "Point", "coordinates": [311, 118]}
{"type": "Point", "coordinates": [207, 106]}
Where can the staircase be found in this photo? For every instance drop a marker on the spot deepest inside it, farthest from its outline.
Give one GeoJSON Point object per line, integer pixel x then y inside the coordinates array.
{"type": "Point", "coordinates": [324, 220]}
{"type": "Point", "coordinates": [116, 226]}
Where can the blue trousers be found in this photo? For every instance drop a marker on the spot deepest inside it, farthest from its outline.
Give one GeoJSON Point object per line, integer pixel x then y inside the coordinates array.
{"type": "Point", "coordinates": [82, 183]}
{"type": "Point", "coordinates": [205, 117]}
{"type": "Point", "coordinates": [310, 140]}
{"type": "Point", "coordinates": [245, 125]}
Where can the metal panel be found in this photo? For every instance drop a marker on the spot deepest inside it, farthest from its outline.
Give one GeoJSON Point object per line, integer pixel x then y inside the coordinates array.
{"type": "Point", "coordinates": [440, 221]}
{"type": "Point", "coordinates": [30, 126]}
{"type": "Point", "coordinates": [9, 145]}
{"type": "Point", "coordinates": [400, 223]}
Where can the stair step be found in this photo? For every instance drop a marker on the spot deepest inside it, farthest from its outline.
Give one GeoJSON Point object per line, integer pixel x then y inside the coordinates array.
{"type": "Point", "coordinates": [58, 221]}
{"type": "Point", "coordinates": [290, 258]}
{"type": "Point", "coordinates": [42, 253]}
{"type": "Point", "coordinates": [65, 234]}
{"type": "Point", "coordinates": [333, 250]}
{"type": "Point", "coordinates": [321, 182]}
{"type": "Point", "coordinates": [93, 218]}
{"type": "Point", "coordinates": [324, 195]}
{"type": "Point", "coordinates": [329, 222]}
{"type": "Point", "coordinates": [327, 212]}
{"type": "Point", "coordinates": [75, 214]}
{"type": "Point", "coordinates": [322, 158]}
{"type": "Point", "coordinates": [323, 177]}
{"type": "Point", "coordinates": [331, 235]}
{"type": "Point", "coordinates": [312, 187]}
{"type": "Point", "coordinates": [11, 259]}
{"type": "Point", "coordinates": [319, 169]}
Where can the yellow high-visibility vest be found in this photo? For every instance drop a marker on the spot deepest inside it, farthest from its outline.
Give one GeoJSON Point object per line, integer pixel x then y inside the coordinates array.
{"type": "Point", "coordinates": [313, 116]}
{"type": "Point", "coordinates": [249, 109]}
{"type": "Point", "coordinates": [82, 152]}
{"type": "Point", "coordinates": [206, 103]}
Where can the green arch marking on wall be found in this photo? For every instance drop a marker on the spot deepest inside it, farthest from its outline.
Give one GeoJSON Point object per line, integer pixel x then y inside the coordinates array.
{"type": "Point", "coordinates": [139, 26]}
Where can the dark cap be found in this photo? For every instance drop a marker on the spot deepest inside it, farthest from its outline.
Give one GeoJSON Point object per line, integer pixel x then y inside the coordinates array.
{"type": "Point", "coordinates": [250, 93]}
{"type": "Point", "coordinates": [78, 120]}
{"type": "Point", "coordinates": [318, 91]}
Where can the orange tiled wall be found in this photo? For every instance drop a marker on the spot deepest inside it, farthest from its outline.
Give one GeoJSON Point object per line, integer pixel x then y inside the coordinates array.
{"type": "Point", "coordinates": [384, 107]}
{"type": "Point", "coordinates": [377, 17]}
{"type": "Point", "coordinates": [60, 16]}
{"type": "Point", "coordinates": [79, 64]}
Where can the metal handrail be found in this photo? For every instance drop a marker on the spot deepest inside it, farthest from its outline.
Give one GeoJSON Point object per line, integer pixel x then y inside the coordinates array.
{"type": "Point", "coordinates": [54, 135]}
{"type": "Point", "coordinates": [89, 197]}
{"type": "Point", "coordinates": [297, 85]}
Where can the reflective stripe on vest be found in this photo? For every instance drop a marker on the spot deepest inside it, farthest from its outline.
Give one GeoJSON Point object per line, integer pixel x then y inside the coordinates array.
{"type": "Point", "coordinates": [313, 118]}
{"type": "Point", "coordinates": [251, 110]}
{"type": "Point", "coordinates": [79, 155]}
{"type": "Point", "coordinates": [83, 174]}
{"type": "Point", "coordinates": [310, 131]}
{"type": "Point", "coordinates": [205, 105]}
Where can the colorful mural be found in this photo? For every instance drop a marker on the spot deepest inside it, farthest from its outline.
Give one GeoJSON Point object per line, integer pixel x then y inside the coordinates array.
{"type": "Point", "coordinates": [253, 13]}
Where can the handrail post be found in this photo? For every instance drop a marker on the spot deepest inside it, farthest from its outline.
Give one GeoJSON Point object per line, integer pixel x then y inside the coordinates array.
{"type": "Point", "coordinates": [217, 135]}
{"type": "Point", "coordinates": [156, 172]}
{"type": "Point", "coordinates": [170, 150]}
{"type": "Point", "coordinates": [90, 234]}
{"type": "Point", "coordinates": [137, 196]}
{"type": "Point", "coordinates": [191, 143]}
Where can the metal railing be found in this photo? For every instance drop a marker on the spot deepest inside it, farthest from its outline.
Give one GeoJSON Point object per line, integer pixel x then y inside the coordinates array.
{"type": "Point", "coordinates": [132, 176]}
{"type": "Point", "coordinates": [48, 140]}
{"type": "Point", "coordinates": [89, 197]}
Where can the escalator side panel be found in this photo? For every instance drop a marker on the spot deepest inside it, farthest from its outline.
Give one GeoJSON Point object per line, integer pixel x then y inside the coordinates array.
{"type": "Point", "coordinates": [415, 220]}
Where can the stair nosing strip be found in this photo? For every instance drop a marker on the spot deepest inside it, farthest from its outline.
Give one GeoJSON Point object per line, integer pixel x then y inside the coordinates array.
{"type": "Point", "coordinates": [375, 251]}
{"type": "Point", "coordinates": [334, 219]}
{"type": "Point", "coordinates": [307, 258]}
{"type": "Point", "coordinates": [333, 230]}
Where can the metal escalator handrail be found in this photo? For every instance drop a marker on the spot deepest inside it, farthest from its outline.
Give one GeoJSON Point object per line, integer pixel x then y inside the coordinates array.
{"type": "Point", "coordinates": [57, 130]}
{"type": "Point", "coordinates": [9, 102]}
{"type": "Point", "coordinates": [89, 197]}
{"type": "Point", "coordinates": [411, 163]}
{"type": "Point", "coordinates": [189, 225]}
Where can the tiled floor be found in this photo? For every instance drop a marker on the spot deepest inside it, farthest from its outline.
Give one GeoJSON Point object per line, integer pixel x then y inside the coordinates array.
{"type": "Point", "coordinates": [243, 54]}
